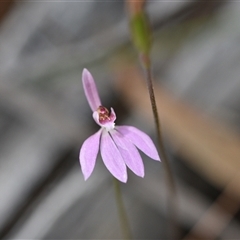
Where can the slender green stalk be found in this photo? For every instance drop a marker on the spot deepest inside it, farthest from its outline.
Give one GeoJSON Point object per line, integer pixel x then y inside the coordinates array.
{"type": "Point", "coordinates": [172, 200]}
{"type": "Point", "coordinates": [121, 211]}
{"type": "Point", "coordinates": [142, 39]}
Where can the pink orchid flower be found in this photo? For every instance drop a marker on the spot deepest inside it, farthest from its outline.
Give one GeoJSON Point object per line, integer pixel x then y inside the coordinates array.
{"type": "Point", "coordinates": [118, 144]}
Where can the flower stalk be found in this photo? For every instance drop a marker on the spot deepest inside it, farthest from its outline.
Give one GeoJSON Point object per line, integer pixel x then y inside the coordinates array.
{"type": "Point", "coordinates": [126, 231]}
{"type": "Point", "coordinates": [141, 38]}
{"type": "Point", "coordinates": [172, 203]}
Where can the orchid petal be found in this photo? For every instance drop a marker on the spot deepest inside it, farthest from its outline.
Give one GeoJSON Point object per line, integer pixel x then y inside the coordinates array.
{"type": "Point", "coordinates": [129, 153]}
{"type": "Point", "coordinates": [88, 154]}
{"type": "Point", "coordinates": [112, 157]}
{"type": "Point", "coordinates": [90, 90]}
{"type": "Point", "coordinates": [140, 139]}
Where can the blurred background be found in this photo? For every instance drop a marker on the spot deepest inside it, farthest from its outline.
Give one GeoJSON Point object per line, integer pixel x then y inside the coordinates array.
{"type": "Point", "coordinates": [44, 46]}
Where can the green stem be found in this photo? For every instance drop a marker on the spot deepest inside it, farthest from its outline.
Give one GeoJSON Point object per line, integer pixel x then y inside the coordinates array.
{"type": "Point", "coordinates": [121, 211]}
{"type": "Point", "coordinates": [172, 200]}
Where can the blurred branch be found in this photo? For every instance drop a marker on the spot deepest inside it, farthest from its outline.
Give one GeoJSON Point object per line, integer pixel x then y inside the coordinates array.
{"type": "Point", "coordinates": [5, 7]}
{"type": "Point", "coordinates": [217, 217]}
{"type": "Point", "coordinates": [29, 106]}
{"type": "Point", "coordinates": [26, 19]}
